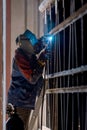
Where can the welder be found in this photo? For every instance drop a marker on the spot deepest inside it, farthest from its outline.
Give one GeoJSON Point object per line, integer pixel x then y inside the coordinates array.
{"type": "Point", "coordinates": [28, 64]}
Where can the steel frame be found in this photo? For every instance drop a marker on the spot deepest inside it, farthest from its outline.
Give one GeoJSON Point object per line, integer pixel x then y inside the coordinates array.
{"type": "Point", "coordinates": [80, 89]}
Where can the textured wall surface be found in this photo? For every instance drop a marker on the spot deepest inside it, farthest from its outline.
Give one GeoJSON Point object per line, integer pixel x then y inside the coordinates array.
{"type": "Point", "coordinates": [24, 14]}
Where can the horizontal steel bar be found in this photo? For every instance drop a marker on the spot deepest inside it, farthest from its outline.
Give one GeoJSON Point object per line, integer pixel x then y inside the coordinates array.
{"type": "Point", "coordinates": [70, 20]}
{"type": "Point", "coordinates": [79, 89]}
{"type": "Point", "coordinates": [67, 72]}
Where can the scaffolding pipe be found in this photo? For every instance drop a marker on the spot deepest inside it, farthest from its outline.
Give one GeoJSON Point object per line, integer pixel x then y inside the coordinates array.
{"type": "Point", "coordinates": [4, 66]}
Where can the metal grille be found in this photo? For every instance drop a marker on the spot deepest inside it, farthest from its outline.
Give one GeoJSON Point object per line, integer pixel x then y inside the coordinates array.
{"type": "Point", "coordinates": [66, 73]}
{"type": "Point", "coordinates": [66, 69]}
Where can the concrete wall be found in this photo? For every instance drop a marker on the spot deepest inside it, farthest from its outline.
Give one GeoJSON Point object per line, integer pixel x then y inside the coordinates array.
{"type": "Point", "coordinates": [24, 14]}
{"type": "Point", "coordinates": [17, 22]}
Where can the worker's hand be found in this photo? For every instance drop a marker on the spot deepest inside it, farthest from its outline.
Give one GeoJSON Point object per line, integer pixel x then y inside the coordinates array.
{"type": "Point", "coordinates": [41, 52]}
{"type": "Point", "coordinates": [10, 110]}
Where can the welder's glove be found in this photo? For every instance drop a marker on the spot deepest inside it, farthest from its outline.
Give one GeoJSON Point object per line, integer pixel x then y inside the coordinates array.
{"type": "Point", "coordinates": [42, 50]}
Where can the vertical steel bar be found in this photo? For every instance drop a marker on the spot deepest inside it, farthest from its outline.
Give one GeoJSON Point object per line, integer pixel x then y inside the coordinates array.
{"type": "Point", "coordinates": [86, 115]}
{"type": "Point", "coordinates": [63, 6]}
{"type": "Point", "coordinates": [75, 35]}
{"type": "Point", "coordinates": [73, 56]}
{"type": "Point", "coordinates": [56, 66]}
{"type": "Point", "coordinates": [82, 56]}
{"type": "Point", "coordinates": [68, 76]}
{"type": "Point", "coordinates": [61, 96]}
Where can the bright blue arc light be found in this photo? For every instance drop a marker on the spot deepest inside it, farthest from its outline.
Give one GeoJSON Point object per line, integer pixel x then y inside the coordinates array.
{"type": "Point", "coordinates": [50, 38]}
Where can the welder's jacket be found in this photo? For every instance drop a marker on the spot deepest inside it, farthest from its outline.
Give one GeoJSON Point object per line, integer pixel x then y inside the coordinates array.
{"type": "Point", "coordinates": [26, 81]}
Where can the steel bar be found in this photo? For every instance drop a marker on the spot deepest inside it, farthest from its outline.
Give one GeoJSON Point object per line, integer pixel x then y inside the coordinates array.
{"type": "Point", "coordinates": [73, 18]}
{"type": "Point", "coordinates": [67, 106]}
{"type": "Point", "coordinates": [67, 72]}
{"type": "Point", "coordinates": [79, 89]}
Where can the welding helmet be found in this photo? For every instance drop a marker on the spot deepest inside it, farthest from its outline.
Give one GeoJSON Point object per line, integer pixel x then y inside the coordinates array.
{"type": "Point", "coordinates": [27, 35]}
